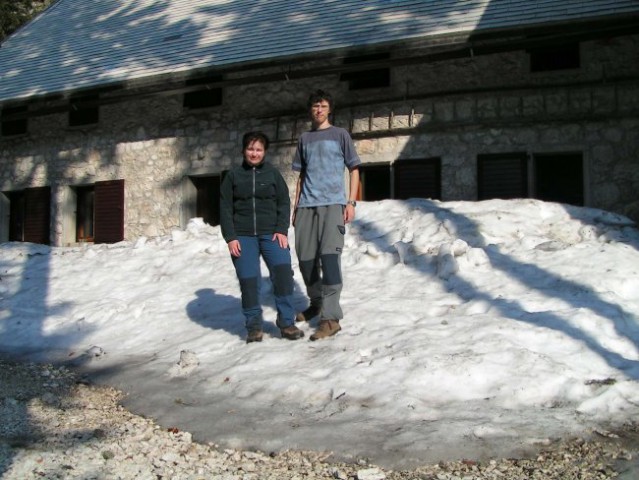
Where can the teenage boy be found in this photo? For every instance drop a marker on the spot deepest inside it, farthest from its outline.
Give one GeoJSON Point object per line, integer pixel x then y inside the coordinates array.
{"type": "Point", "coordinates": [321, 211]}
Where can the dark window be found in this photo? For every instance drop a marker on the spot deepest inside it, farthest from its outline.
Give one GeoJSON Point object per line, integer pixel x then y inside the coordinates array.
{"type": "Point", "coordinates": [557, 57]}
{"type": "Point", "coordinates": [108, 211]}
{"type": "Point", "coordinates": [84, 219]}
{"type": "Point", "coordinates": [206, 97]}
{"type": "Point", "coordinates": [81, 114]}
{"type": "Point", "coordinates": [559, 178]}
{"type": "Point", "coordinates": [375, 182]}
{"type": "Point", "coordinates": [207, 204]}
{"type": "Point", "coordinates": [371, 78]}
{"type": "Point", "coordinates": [13, 126]}
{"type": "Point", "coordinates": [16, 216]}
{"type": "Point", "coordinates": [502, 176]}
{"type": "Point", "coordinates": [418, 178]}
{"type": "Point", "coordinates": [30, 215]}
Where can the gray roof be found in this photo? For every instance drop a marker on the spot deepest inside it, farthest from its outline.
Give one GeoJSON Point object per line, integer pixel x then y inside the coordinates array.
{"type": "Point", "coordinates": [88, 43]}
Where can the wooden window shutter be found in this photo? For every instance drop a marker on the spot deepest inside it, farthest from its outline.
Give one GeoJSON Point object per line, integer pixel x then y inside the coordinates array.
{"type": "Point", "coordinates": [109, 211]}
{"type": "Point", "coordinates": [418, 178]}
{"type": "Point", "coordinates": [37, 215]}
{"type": "Point", "coordinates": [502, 176]}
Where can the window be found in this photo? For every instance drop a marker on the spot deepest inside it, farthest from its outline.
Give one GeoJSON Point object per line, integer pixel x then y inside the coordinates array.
{"type": "Point", "coordinates": [418, 178]}
{"type": "Point", "coordinates": [559, 178]}
{"type": "Point", "coordinates": [29, 215]}
{"type": "Point", "coordinates": [84, 218]}
{"type": "Point", "coordinates": [208, 198]}
{"type": "Point", "coordinates": [502, 176]}
{"type": "Point", "coordinates": [557, 57]}
{"type": "Point", "coordinates": [363, 79]}
{"type": "Point", "coordinates": [16, 126]}
{"type": "Point", "coordinates": [206, 97]}
{"type": "Point", "coordinates": [81, 114]}
{"type": "Point", "coordinates": [555, 177]}
{"type": "Point", "coordinates": [374, 182]}
{"type": "Point", "coordinates": [16, 216]}
{"type": "Point", "coordinates": [203, 198]}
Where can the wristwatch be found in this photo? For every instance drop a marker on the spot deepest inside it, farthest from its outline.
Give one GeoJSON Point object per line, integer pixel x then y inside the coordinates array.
{"type": "Point", "coordinates": [352, 202]}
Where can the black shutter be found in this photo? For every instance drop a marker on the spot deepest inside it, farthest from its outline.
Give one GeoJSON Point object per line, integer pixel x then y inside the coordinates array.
{"type": "Point", "coordinates": [109, 211]}
{"type": "Point", "coordinates": [502, 176]}
{"type": "Point", "coordinates": [418, 178]}
{"type": "Point", "coordinates": [37, 215]}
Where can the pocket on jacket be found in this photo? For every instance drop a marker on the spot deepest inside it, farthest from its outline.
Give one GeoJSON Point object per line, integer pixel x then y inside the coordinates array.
{"type": "Point", "coordinates": [264, 190]}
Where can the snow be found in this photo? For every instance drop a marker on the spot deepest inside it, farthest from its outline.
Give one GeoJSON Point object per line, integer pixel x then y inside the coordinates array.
{"type": "Point", "coordinates": [471, 329]}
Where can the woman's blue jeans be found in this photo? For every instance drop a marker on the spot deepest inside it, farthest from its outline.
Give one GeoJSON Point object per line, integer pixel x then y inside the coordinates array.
{"type": "Point", "coordinates": [247, 267]}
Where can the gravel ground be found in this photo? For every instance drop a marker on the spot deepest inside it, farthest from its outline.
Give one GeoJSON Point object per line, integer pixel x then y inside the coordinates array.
{"type": "Point", "coordinates": [54, 425]}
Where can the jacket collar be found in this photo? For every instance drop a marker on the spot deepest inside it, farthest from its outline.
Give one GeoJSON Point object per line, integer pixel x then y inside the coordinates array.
{"type": "Point", "coordinates": [246, 166]}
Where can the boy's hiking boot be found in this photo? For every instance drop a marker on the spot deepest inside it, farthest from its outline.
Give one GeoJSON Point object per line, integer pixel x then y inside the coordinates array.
{"type": "Point", "coordinates": [327, 328]}
{"type": "Point", "coordinates": [254, 336]}
{"type": "Point", "coordinates": [309, 314]}
{"type": "Point", "coordinates": [291, 333]}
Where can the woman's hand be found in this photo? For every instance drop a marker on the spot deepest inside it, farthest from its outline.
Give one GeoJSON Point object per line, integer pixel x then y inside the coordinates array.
{"type": "Point", "coordinates": [234, 248]}
{"type": "Point", "coordinates": [281, 239]}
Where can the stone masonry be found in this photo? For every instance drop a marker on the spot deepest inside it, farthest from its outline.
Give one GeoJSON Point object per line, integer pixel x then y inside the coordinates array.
{"type": "Point", "coordinates": [453, 110]}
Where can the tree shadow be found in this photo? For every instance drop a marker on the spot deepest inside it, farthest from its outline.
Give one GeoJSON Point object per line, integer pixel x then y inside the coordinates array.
{"type": "Point", "coordinates": [22, 386]}
{"type": "Point", "coordinates": [604, 225]}
{"type": "Point", "coordinates": [25, 270]}
{"type": "Point", "coordinates": [578, 296]}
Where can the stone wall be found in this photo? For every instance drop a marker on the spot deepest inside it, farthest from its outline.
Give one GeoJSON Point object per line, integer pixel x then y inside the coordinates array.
{"type": "Point", "coordinates": [453, 110]}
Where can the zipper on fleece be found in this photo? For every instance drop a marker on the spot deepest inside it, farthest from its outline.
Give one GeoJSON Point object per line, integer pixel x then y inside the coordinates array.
{"type": "Point", "coordinates": [254, 206]}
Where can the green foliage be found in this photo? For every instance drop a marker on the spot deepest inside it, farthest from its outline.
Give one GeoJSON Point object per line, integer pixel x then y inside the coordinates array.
{"type": "Point", "coordinates": [14, 13]}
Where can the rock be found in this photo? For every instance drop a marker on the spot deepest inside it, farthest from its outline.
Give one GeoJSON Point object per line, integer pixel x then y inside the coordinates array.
{"type": "Point", "coordinates": [370, 474]}
{"type": "Point", "coordinates": [186, 365]}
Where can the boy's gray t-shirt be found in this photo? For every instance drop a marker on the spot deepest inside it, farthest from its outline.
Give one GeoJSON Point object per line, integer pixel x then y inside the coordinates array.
{"type": "Point", "coordinates": [322, 156]}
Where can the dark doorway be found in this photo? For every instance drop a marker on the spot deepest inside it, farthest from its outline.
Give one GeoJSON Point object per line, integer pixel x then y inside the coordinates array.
{"type": "Point", "coordinates": [208, 198]}
{"type": "Point", "coordinates": [375, 182]}
{"type": "Point", "coordinates": [560, 178]}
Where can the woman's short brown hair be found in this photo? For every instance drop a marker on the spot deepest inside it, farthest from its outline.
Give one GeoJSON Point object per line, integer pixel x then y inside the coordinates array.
{"type": "Point", "coordinates": [250, 137]}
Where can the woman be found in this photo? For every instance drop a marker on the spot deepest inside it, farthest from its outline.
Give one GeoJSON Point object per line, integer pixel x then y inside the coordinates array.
{"type": "Point", "coordinates": [254, 216]}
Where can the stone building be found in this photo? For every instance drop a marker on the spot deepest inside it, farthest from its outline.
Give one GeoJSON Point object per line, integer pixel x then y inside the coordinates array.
{"type": "Point", "coordinates": [120, 117]}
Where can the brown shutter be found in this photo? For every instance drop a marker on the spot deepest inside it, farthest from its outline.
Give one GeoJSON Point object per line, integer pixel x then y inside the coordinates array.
{"type": "Point", "coordinates": [109, 211]}
{"type": "Point", "coordinates": [502, 176]}
{"type": "Point", "coordinates": [37, 215]}
{"type": "Point", "coordinates": [418, 178]}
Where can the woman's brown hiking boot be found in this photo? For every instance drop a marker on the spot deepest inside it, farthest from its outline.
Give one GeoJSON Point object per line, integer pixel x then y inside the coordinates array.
{"type": "Point", "coordinates": [291, 333]}
{"type": "Point", "coordinates": [254, 336]}
{"type": "Point", "coordinates": [327, 328]}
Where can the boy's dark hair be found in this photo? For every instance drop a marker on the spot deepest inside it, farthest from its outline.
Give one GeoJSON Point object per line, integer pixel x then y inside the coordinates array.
{"type": "Point", "coordinates": [250, 137]}
{"type": "Point", "coordinates": [318, 96]}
